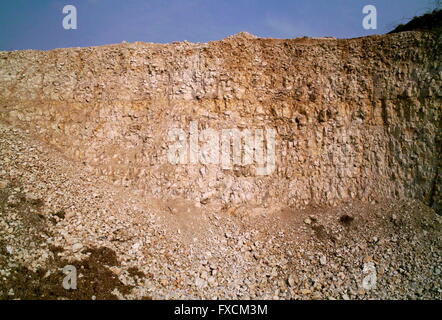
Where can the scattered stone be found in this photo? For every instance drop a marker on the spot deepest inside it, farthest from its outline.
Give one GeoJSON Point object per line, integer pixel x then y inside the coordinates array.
{"type": "Point", "coordinates": [77, 247]}
{"type": "Point", "coordinates": [291, 280]}
{"type": "Point", "coordinates": [200, 283]}
{"type": "Point", "coordinates": [9, 249]}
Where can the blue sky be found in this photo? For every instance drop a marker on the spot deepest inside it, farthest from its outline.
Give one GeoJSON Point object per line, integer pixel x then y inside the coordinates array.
{"type": "Point", "coordinates": [37, 24]}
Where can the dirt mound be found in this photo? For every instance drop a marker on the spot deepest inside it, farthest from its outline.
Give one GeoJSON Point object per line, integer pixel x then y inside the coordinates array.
{"type": "Point", "coordinates": [242, 35]}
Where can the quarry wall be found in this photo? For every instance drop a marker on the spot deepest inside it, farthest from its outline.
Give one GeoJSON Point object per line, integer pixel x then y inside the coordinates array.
{"type": "Point", "coordinates": [351, 119]}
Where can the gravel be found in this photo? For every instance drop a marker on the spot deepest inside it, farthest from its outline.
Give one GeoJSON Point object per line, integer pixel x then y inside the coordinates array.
{"type": "Point", "coordinates": [55, 211]}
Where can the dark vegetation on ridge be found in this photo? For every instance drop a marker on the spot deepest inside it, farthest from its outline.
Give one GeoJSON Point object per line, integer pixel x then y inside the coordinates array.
{"type": "Point", "coordinates": [431, 21]}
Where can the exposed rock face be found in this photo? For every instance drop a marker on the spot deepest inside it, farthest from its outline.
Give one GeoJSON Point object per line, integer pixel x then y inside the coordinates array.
{"type": "Point", "coordinates": [355, 118]}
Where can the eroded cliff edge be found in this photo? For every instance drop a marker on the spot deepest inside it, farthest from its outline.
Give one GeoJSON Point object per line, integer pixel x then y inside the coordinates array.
{"type": "Point", "coordinates": [356, 118]}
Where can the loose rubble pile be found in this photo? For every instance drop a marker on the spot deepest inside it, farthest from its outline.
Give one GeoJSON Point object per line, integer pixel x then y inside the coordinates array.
{"type": "Point", "coordinates": [55, 212]}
